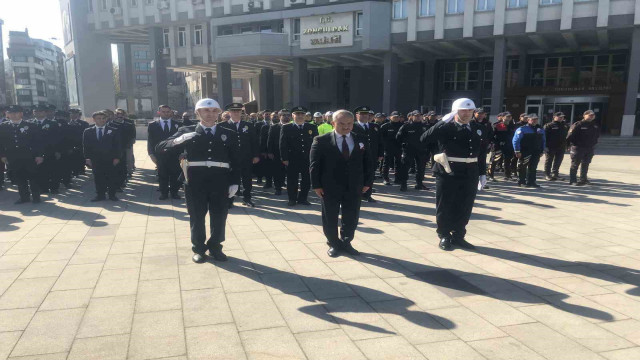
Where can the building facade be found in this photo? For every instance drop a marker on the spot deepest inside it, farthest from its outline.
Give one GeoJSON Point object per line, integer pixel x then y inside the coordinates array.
{"type": "Point", "coordinates": [528, 56]}
{"type": "Point", "coordinates": [37, 67]}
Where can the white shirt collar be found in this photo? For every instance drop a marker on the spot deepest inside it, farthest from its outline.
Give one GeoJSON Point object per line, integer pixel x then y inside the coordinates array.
{"type": "Point", "coordinates": [338, 136]}
{"type": "Point", "coordinates": [207, 127]}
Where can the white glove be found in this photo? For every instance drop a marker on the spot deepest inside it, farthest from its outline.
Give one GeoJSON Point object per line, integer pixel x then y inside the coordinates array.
{"type": "Point", "coordinates": [233, 189]}
{"type": "Point", "coordinates": [482, 182]}
{"type": "Point", "coordinates": [184, 137]}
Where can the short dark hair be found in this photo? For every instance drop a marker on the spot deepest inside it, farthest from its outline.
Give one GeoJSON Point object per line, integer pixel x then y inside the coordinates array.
{"type": "Point", "coordinates": [164, 106]}
{"type": "Point", "coordinates": [98, 113]}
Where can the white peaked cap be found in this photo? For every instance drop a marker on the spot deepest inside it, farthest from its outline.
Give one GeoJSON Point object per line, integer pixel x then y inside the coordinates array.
{"type": "Point", "coordinates": [207, 103]}
{"type": "Point", "coordinates": [317, 114]}
{"type": "Point", "coordinates": [459, 104]}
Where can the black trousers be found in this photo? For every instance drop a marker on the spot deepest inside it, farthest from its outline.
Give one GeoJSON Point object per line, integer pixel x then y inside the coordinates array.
{"type": "Point", "coordinates": [278, 170]}
{"type": "Point", "coordinates": [24, 177]}
{"type": "Point", "coordinates": [105, 176]}
{"type": "Point", "coordinates": [349, 204]}
{"type": "Point", "coordinates": [201, 199]}
{"type": "Point", "coordinates": [527, 166]}
{"type": "Point", "coordinates": [168, 174]}
{"type": "Point", "coordinates": [415, 158]}
{"type": "Point", "coordinates": [580, 158]}
{"type": "Point", "coordinates": [298, 180]}
{"type": "Point", "coordinates": [499, 157]}
{"type": "Point", "coordinates": [2, 168]}
{"type": "Point", "coordinates": [454, 202]}
{"type": "Point", "coordinates": [392, 158]}
{"type": "Point", "coordinates": [247, 177]}
{"type": "Point", "coordinates": [552, 161]}
{"type": "Point", "coordinates": [76, 161]}
{"type": "Point", "coordinates": [265, 165]}
{"type": "Point", "coordinates": [46, 174]}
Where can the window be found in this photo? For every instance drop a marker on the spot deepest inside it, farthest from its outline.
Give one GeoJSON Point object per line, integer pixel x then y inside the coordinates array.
{"type": "Point", "coordinates": [359, 16]}
{"type": "Point", "coordinates": [552, 71]}
{"type": "Point", "coordinates": [246, 29]}
{"type": "Point", "coordinates": [19, 59]}
{"type": "Point", "coordinates": [140, 54]}
{"type": "Point", "coordinates": [24, 92]}
{"type": "Point", "coordinates": [117, 3]}
{"type": "Point", "coordinates": [37, 61]}
{"type": "Point", "coordinates": [103, 5]}
{"type": "Point", "coordinates": [90, 5]}
{"type": "Point", "coordinates": [455, 6]}
{"type": "Point", "coordinates": [460, 75]}
{"type": "Point", "coordinates": [197, 35]}
{"type": "Point", "coordinates": [23, 81]}
{"type": "Point", "coordinates": [41, 88]}
{"type": "Point", "coordinates": [39, 72]}
{"type": "Point", "coordinates": [446, 105]}
{"type": "Point", "coordinates": [143, 79]}
{"type": "Point", "coordinates": [487, 81]}
{"type": "Point", "coordinates": [296, 29]}
{"type": "Point", "coordinates": [226, 30]}
{"type": "Point", "coordinates": [427, 7]}
{"type": "Point", "coordinates": [313, 79]}
{"type": "Point", "coordinates": [399, 9]}
{"type": "Point", "coordinates": [485, 5]}
{"type": "Point", "coordinates": [165, 38]}
{"type": "Point", "coordinates": [513, 67]}
{"type": "Point", "coordinates": [236, 84]}
{"type": "Point", "coordinates": [265, 29]}
{"type": "Point", "coordinates": [134, 3]}
{"type": "Point", "coordinates": [142, 66]}
{"type": "Point", "coordinates": [52, 86]}
{"type": "Point", "coordinates": [511, 4]}
{"type": "Point", "coordinates": [602, 70]}
{"type": "Point", "coordinates": [21, 70]}
{"type": "Point", "coordinates": [550, 2]}
{"type": "Point", "coordinates": [149, 2]}
{"type": "Point", "coordinates": [182, 36]}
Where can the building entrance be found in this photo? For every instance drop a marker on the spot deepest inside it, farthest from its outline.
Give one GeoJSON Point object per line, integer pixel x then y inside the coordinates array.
{"type": "Point", "coordinates": [572, 107]}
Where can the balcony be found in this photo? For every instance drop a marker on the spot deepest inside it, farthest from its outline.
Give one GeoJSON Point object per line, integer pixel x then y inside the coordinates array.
{"type": "Point", "coordinates": [250, 45]}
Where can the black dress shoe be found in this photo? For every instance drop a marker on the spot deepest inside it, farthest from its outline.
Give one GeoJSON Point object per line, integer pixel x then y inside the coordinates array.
{"type": "Point", "coordinates": [445, 243]}
{"type": "Point", "coordinates": [98, 198]}
{"type": "Point", "coordinates": [36, 200]}
{"type": "Point", "coordinates": [420, 187]}
{"type": "Point", "coordinates": [218, 255]}
{"type": "Point", "coordinates": [198, 258]}
{"type": "Point", "coordinates": [351, 250]}
{"type": "Point", "coordinates": [267, 186]}
{"type": "Point", "coordinates": [371, 200]}
{"type": "Point", "coordinates": [259, 181]}
{"type": "Point", "coordinates": [231, 205]}
{"type": "Point", "coordinates": [291, 203]}
{"type": "Point", "coordinates": [387, 182]}
{"type": "Point", "coordinates": [462, 243]}
{"type": "Point", "coordinates": [403, 187]}
{"type": "Point", "coordinates": [533, 186]}
{"type": "Point", "coordinates": [304, 202]}
{"type": "Point", "coordinates": [333, 252]}
{"type": "Point", "coordinates": [163, 197]}
{"type": "Point", "coordinates": [113, 198]}
{"type": "Point", "coordinates": [176, 196]}
{"type": "Point", "coordinates": [248, 202]}
{"type": "Point", "coordinates": [21, 201]}
{"type": "Point", "coordinates": [278, 192]}
{"type": "Point", "coordinates": [549, 178]}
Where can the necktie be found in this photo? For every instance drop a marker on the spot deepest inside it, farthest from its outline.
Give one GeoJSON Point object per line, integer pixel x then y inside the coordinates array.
{"type": "Point", "coordinates": [99, 134]}
{"type": "Point", "coordinates": [166, 126]}
{"type": "Point", "coordinates": [345, 148]}
{"type": "Point", "coordinates": [208, 130]}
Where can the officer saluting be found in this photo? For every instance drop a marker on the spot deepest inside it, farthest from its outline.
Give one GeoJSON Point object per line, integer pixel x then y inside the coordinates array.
{"type": "Point", "coordinates": [457, 171]}
{"type": "Point", "coordinates": [295, 144]}
{"type": "Point", "coordinates": [22, 149]}
{"type": "Point", "coordinates": [212, 175]}
{"type": "Point", "coordinates": [248, 141]}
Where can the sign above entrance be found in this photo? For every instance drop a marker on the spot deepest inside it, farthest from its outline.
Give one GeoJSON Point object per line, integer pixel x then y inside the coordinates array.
{"type": "Point", "coordinates": [324, 31]}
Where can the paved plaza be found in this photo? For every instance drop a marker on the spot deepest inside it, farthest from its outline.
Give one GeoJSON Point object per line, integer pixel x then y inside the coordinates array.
{"type": "Point", "coordinates": [555, 276]}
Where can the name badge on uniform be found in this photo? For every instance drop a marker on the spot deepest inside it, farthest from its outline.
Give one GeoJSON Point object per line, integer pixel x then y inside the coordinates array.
{"type": "Point", "coordinates": [310, 132]}
{"type": "Point", "coordinates": [108, 131]}
{"type": "Point", "coordinates": [245, 129]}
{"type": "Point", "coordinates": [361, 146]}
{"type": "Point", "coordinates": [22, 130]}
{"type": "Point", "coordinates": [223, 137]}
{"type": "Point", "coordinates": [479, 132]}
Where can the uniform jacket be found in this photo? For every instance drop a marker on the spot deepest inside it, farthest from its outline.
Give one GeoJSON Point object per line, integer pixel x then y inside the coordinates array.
{"type": "Point", "coordinates": [20, 143]}
{"type": "Point", "coordinates": [264, 138]}
{"type": "Point", "coordinates": [50, 134]}
{"type": "Point", "coordinates": [247, 138]}
{"type": "Point", "coordinates": [372, 138]}
{"type": "Point", "coordinates": [273, 140]}
{"type": "Point", "coordinates": [389, 132]}
{"type": "Point", "coordinates": [295, 143]}
{"type": "Point", "coordinates": [556, 134]}
{"type": "Point", "coordinates": [456, 141]}
{"type": "Point", "coordinates": [529, 140]}
{"type": "Point", "coordinates": [503, 136]}
{"type": "Point", "coordinates": [409, 135]}
{"type": "Point", "coordinates": [584, 134]}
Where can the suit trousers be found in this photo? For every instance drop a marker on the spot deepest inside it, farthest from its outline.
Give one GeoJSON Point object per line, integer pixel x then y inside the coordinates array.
{"type": "Point", "coordinates": [552, 161]}
{"type": "Point", "coordinates": [580, 157]}
{"type": "Point", "coordinates": [168, 174]}
{"type": "Point", "coordinates": [131, 160]}
{"type": "Point", "coordinates": [455, 196]}
{"type": "Point", "coordinates": [105, 176]}
{"type": "Point", "coordinates": [200, 200]}
{"type": "Point", "coordinates": [527, 166]}
{"type": "Point", "coordinates": [349, 203]}
{"type": "Point", "coordinates": [298, 173]}
{"type": "Point", "coordinates": [278, 170]}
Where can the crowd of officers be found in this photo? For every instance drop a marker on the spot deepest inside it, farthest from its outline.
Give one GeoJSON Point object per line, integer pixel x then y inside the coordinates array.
{"type": "Point", "coordinates": [52, 147]}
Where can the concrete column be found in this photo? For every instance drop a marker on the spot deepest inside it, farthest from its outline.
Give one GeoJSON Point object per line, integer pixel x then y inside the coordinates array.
{"type": "Point", "coordinates": [390, 85]}
{"type": "Point", "coordinates": [438, 32]}
{"type": "Point", "coordinates": [566, 15]}
{"type": "Point", "coordinates": [127, 85]}
{"type": "Point", "coordinates": [299, 82]}
{"type": "Point", "coordinates": [523, 59]}
{"type": "Point", "coordinates": [469, 10]}
{"type": "Point", "coordinates": [338, 99]}
{"type": "Point", "coordinates": [3, 91]}
{"type": "Point", "coordinates": [413, 9]}
{"type": "Point", "coordinates": [208, 81]}
{"type": "Point", "coordinates": [429, 82]}
{"type": "Point", "coordinates": [633, 81]}
{"type": "Point", "coordinates": [532, 16]}
{"type": "Point", "coordinates": [498, 17]}
{"type": "Point", "coordinates": [497, 85]}
{"type": "Point", "coordinates": [225, 94]}
{"type": "Point", "coordinates": [278, 92]}
{"type": "Point", "coordinates": [159, 92]}
{"type": "Point", "coordinates": [266, 89]}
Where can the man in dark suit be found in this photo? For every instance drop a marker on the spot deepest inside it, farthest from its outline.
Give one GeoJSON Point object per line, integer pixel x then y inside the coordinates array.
{"type": "Point", "coordinates": [341, 171]}
{"type": "Point", "coordinates": [278, 169]}
{"type": "Point", "coordinates": [168, 165]}
{"type": "Point", "coordinates": [370, 131]}
{"type": "Point", "coordinates": [248, 142]}
{"type": "Point", "coordinates": [102, 147]}
{"type": "Point", "coordinates": [295, 143]}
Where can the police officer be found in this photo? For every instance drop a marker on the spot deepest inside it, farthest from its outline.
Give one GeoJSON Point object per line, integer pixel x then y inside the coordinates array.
{"type": "Point", "coordinates": [129, 138]}
{"type": "Point", "coordinates": [324, 125]}
{"type": "Point", "coordinates": [370, 131]}
{"type": "Point", "coordinates": [278, 169]}
{"type": "Point", "coordinates": [22, 148]}
{"type": "Point", "coordinates": [2, 166]}
{"type": "Point", "coordinates": [480, 117]}
{"type": "Point", "coordinates": [248, 142]}
{"type": "Point", "coordinates": [392, 149]}
{"type": "Point", "coordinates": [102, 148]}
{"type": "Point", "coordinates": [264, 118]}
{"type": "Point", "coordinates": [127, 131]}
{"type": "Point", "coordinates": [583, 137]}
{"type": "Point", "coordinates": [76, 130]}
{"type": "Point", "coordinates": [213, 175]}
{"type": "Point", "coordinates": [413, 150]}
{"type": "Point", "coordinates": [556, 136]}
{"type": "Point", "coordinates": [295, 143]}
{"type": "Point", "coordinates": [63, 167]}
{"type": "Point", "coordinates": [456, 179]}
{"type": "Point", "coordinates": [168, 165]}
{"type": "Point", "coordinates": [502, 153]}
{"type": "Point", "coordinates": [529, 143]}
{"type": "Point", "coordinates": [186, 119]}
{"type": "Point", "coordinates": [46, 174]}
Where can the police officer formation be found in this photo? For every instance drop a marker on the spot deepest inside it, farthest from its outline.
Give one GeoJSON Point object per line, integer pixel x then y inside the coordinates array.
{"type": "Point", "coordinates": [337, 154]}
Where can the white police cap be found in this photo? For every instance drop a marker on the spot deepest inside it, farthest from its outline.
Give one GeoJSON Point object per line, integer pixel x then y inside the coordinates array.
{"type": "Point", "coordinates": [317, 114]}
{"type": "Point", "coordinates": [207, 103]}
{"type": "Point", "coordinates": [463, 104]}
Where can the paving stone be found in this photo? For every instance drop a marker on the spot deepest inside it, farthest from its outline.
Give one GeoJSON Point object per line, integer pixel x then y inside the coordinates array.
{"type": "Point", "coordinates": [15, 319]}
{"type": "Point", "coordinates": [26, 293]}
{"type": "Point", "coordinates": [274, 343]}
{"type": "Point", "coordinates": [506, 348]}
{"type": "Point", "coordinates": [123, 261]}
{"type": "Point", "coordinates": [49, 332]}
{"type": "Point", "coordinates": [78, 277]}
{"type": "Point", "coordinates": [388, 348]}
{"type": "Point", "coordinates": [468, 326]}
{"type": "Point", "coordinates": [199, 277]}
{"type": "Point", "coordinates": [254, 310]}
{"type": "Point", "coordinates": [117, 283]}
{"type": "Point", "coordinates": [205, 307]}
{"type": "Point", "coordinates": [213, 342]}
{"type": "Point", "coordinates": [451, 350]}
{"type": "Point", "coordinates": [100, 348]}
{"type": "Point", "coordinates": [107, 316]}
{"type": "Point", "coordinates": [67, 299]}
{"type": "Point", "coordinates": [328, 344]}
{"type": "Point", "coordinates": [157, 335]}
{"type": "Point", "coordinates": [7, 342]}
{"type": "Point", "coordinates": [304, 313]}
{"type": "Point", "coordinates": [358, 319]}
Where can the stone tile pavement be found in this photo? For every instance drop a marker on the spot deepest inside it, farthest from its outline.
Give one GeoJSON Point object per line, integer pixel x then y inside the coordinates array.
{"type": "Point", "coordinates": [555, 276]}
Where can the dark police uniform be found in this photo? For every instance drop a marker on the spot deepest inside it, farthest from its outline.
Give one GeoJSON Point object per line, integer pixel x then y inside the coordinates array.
{"type": "Point", "coordinates": [46, 174]}
{"type": "Point", "coordinates": [370, 132]}
{"type": "Point", "coordinates": [556, 133]}
{"type": "Point", "coordinates": [392, 151]}
{"type": "Point", "coordinates": [20, 144]}
{"type": "Point", "coordinates": [583, 137]}
{"type": "Point", "coordinates": [102, 150]}
{"type": "Point", "coordinates": [295, 145]}
{"type": "Point", "coordinates": [278, 170]}
{"type": "Point", "coordinates": [63, 166]}
{"type": "Point", "coordinates": [456, 192]}
{"type": "Point", "coordinates": [76, 158]}
{"type": "Point", "coordinates": [168, 165]}
{"type": "Point", "coordinates": [529, 141]}
{"type": "Point", "coordinates": [414, 151]}
{"type": "Point", "coordinates": [266, 164]}
{"type": "Point", "coordinates": [248, 142]}
{"type": "Point", "coordinates": [215, 165]}
{"type": "Point", "coordinates": [260, 169]}
{"type": "Point", "coordinates": [503, 152]}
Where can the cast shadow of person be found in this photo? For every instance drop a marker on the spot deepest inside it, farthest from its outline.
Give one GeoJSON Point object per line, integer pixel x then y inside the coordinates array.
{"type": "Point", "coordinates": [336, 292]}
{"type": "Point", "coordinates": [455, 281]}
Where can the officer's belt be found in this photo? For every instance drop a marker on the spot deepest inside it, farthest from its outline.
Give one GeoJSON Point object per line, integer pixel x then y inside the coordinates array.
{"type": "Point", "coordinates": [209, 164]}
{"type": "Point", "coordinates": [458, 159]}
